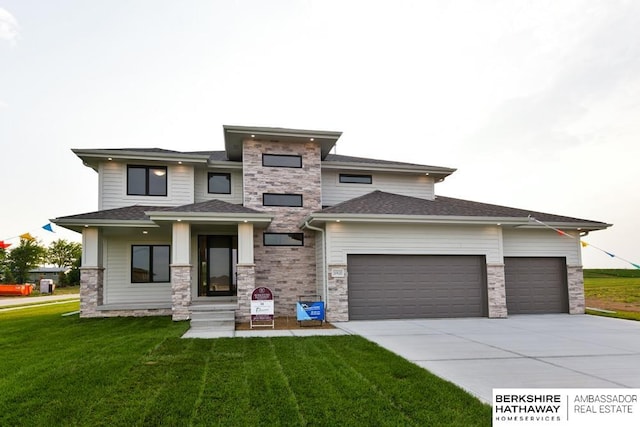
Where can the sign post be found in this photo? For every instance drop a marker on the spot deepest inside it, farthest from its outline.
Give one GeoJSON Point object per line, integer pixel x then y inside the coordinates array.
{"type": "Point", "coordinates": [262, 308]}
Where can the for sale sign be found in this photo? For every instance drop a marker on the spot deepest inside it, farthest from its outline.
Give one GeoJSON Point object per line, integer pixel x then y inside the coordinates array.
{"type": "Point", "coordinates": [307, 310]}
{"type": "Point", "coordinates": [262, 308]}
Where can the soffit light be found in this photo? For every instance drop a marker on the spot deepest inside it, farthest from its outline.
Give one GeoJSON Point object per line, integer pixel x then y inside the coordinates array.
{"type": "Point", "coordinates": [159, 172]}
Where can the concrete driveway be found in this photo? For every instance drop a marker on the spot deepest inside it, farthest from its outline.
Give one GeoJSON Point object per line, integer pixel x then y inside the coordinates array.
{"type": "Point", "coordinates": [537, 351]}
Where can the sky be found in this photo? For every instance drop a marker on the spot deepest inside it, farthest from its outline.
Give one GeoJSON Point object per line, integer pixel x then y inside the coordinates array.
{"type": "Point", "coordinates": [536, 103]}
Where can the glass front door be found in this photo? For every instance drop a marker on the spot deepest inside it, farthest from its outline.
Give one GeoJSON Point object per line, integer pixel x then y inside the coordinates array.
{"type": "Point", "coordinates": [218, 256]}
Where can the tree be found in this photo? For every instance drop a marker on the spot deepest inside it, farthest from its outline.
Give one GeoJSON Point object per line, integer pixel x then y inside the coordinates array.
{"type": "Point", "coordinates": [63, 253]}
{"type": "Point", "coordinates": [28, 255]}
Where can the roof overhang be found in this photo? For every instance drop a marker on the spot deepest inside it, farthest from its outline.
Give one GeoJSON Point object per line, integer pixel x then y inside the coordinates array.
{"type": "Point", "coordinates": [77, 225]}
{"type": "Point", "coordinates": [436, 172]}
{"type": "Point", "coordinates": [235, 135]}
{"type": "Point", "coordinates": [210, 217]}
{"type": "Point", "coordinates": [93, 157]}
{"type": "Point", "coordinates": [515, 222]}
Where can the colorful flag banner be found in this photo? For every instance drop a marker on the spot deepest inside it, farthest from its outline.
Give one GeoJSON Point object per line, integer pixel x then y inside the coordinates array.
{"type": "Point", "coordinates": [583, 243]}
{"type": "Point", "coordinates": [27, 236]}
{"type": "Point", "coordinates": [48, 227]}
{"type": "Point", "coordinates": [4, 245]}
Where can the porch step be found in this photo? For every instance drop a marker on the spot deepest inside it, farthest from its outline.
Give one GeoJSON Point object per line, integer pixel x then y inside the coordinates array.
{"type": "Point", "coordinates": [216, 316]}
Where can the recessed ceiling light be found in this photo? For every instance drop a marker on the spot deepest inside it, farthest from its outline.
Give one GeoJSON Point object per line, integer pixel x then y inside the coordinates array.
{"type": "Point", "coordinates": [109, 158]}
{"type": "Point", "coordinates": [311, 139]}
{"type": "Point", "coordinates": [180, 162]}
{"type": "Point", "coordinates": [145, 232]}
{"type": "Point", "coordinates": [253, 136]}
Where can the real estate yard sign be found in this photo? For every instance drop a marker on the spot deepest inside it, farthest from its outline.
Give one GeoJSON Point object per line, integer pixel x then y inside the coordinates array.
{"type": "Point", "coordinates": [262, 308]}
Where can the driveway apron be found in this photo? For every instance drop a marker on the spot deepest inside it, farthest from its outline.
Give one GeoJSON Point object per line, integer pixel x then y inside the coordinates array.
{"type": "Point", "coordinates": [525, 351]}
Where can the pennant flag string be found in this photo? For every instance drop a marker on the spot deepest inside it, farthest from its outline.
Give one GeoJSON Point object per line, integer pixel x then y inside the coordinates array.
{"type": "Point", "coordinates": [48, 227]}
{"type": "Point", "coordinates": [582, 242]}
{"type": "Point", "coordinates": [26, 236]}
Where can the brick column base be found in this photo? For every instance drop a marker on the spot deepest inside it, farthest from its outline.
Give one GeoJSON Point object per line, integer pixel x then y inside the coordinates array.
{"type": "Point", "coordinates": [575, 283]}
{"type": "Point", "coordinates": [496, 292]}
{"type": "Point", "coordinates": [246, 283]}
{"type": "Point", "coordinates": [91, 291]}
{"type": "Point", "coordinates": [338, 295]}
{"type": "Point", "coordinates": [180, 291]}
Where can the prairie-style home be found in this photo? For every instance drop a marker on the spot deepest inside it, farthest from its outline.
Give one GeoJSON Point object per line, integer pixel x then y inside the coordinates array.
{"type": "Point", "coordinates": [181, 233]}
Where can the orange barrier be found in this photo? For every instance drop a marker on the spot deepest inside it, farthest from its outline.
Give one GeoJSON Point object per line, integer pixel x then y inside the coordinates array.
{"type": "Point", "coordinates": [23, 290]}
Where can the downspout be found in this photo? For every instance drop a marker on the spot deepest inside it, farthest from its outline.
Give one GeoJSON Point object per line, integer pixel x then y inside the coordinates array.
{"type": "Point", "coordinates": [325, 285]}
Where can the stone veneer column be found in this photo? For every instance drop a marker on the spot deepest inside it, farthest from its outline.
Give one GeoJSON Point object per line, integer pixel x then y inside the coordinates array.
{"type": "Point", "coordinates": [496, 292]}
{"type": "Point", "coordinates": [91, 288]}
{"type": "Point", "coordinates": [338, 296]}
{"type": "Point", "coordinates": [180, 291]}
{"type": "Point", "coordinates": [575, 283]}
{"type": "Point", "coordinates": [245, 282]}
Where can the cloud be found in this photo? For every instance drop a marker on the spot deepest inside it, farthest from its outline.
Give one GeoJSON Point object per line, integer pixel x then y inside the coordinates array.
{"type": "Point", "coordinates": [8, 27]}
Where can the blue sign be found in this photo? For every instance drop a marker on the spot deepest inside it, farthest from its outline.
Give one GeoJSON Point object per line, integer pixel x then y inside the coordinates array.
{"type": "Point", "coordinates": [310, 310]}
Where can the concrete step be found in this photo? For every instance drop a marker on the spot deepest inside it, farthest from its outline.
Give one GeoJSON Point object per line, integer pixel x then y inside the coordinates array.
{"type": "Point", "coordinates": [219, 306]}
{"type": "Point", "coordinates": [213, 325]}
{"type": "Point", "coordinates": [213, 315]}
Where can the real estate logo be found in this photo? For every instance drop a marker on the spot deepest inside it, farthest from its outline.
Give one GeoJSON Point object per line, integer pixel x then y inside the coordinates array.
{"type": "Point", "coordinates": [566, 407]}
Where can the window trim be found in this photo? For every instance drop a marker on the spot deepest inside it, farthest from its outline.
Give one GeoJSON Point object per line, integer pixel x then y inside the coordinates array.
{"type": "Point", "coordinates": [151, 274]}
{"type": "Point", "coordinates": [265, 195]}
{"type": "Point", "coordinates": [265, 234]}
{"type": "Point", "coordinates": [266, 155]}
{"type": "Point", "coordinates": [353, 175]}
{"type": "Point", "coordinates": [210, 174]}
{"type": "Point", "coordinates": [147, 169]}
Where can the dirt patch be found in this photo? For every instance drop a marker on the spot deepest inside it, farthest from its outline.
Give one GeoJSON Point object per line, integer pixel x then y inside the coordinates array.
{"type": "Point", "coordinates": [612, 305]}
{"type": "Point", "coordinates": [283, 323]}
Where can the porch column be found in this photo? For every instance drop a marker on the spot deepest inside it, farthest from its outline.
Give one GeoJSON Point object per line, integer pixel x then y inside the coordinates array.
{"type": "Point", "coordinates": [575, 282]}
{"type": "Point", "coordinates": [246, 269]}
{"type": "Point", "coordinates": [496, 291]}
{"type": "Point", "coordinates": [181, 270]}
{"type": "Point", "coordinates": [91, 273]}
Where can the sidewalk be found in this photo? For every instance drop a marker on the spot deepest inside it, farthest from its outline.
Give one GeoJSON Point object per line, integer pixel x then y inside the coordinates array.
{"type": "Point", "coordinates": [20, 300]}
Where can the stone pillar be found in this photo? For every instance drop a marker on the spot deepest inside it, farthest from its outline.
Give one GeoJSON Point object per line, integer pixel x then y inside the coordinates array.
{"type": "Point", "coordinates": [91, 286]}
{"type": "Point", "coordinates": [180, 291]}
{"type": "Point", "coordinates": [575, 283]}
{"type": "Point", "coordinates": [496, 291]}
{"type": "Point", "coordinates": [246, 283]}
{"type": "Point", "coordinates": [338, 295]}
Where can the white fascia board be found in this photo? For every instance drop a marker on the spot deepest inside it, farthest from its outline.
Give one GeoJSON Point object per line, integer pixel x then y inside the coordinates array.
{"type": "Point", "coordinates": [387, 168]}
{"type": "Point", "coordinates": [442, 219]}
{"type": "Point", "coordinates": [139, 155]}
{"type": "Point", "coordinates": [209, 217]}
{"type": "Point", "coordinates": [104, 223]}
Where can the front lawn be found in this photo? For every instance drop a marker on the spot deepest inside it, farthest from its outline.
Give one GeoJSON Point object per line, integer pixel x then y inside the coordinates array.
{"type": "Point", "coordinates": [57, 370]}
{"type": "Point", "coordinates": [613, 290]}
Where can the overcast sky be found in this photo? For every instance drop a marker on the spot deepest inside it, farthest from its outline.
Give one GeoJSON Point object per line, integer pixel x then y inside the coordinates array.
{"type": "Point", "coordinates": [537, 104]}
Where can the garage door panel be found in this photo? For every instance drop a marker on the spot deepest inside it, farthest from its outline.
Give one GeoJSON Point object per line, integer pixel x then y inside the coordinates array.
{"type": "Point", "coordinates": [536, 285]}
{"type": "Point", "coordinates": [416, 286]}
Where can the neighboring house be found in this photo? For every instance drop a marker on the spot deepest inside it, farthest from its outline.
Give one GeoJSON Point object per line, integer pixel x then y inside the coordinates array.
{"type": "Point", "coordinates": [175, 231]}
{"type": "Point", "coordinates": [52, 273]}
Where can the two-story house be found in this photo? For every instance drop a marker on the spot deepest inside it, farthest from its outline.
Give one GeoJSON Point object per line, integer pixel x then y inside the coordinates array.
{"type": "Point", "coordinates": [178, 231]}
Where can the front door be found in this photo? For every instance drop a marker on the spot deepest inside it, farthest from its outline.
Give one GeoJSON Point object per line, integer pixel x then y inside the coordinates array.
{"type": "Point", "coordinates": [218, 256]}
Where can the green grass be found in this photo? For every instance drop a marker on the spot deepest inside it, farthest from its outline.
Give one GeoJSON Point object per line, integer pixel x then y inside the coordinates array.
{"type": "Point", "coordinates": [59, 370]}
{"type": "Point", "coordinates": [612, 272]}
{"type": "Point", "coordinates": [617, 290]}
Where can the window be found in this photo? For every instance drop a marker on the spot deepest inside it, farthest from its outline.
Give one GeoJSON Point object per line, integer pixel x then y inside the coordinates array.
{"type": "Point", "coordinates": [355, 179]}
{"type": "Point", "coordinates": [147, 180]}
{"type": "Point", "coordinates": [292, 200]}
{"type": "Point", "coordinates": [283, 239]}
{"type": "Point", "coordinates": [282, 160]}
{"type": "Point", "coordinates": [220, 183]}
{"type": "Point", "coordinates": [150, 263]}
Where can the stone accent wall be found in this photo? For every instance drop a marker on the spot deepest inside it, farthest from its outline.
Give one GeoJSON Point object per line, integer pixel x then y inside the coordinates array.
{"type": "Point", "coordinates": [496, 291]}
{"type": "Point", "coordinates": [180, 291]}
{"type": "Point", "coordinates": [289, 271]}
{"type": "Point", "coordinates": [338, 298]}
{"type": "Point", "coordinates": [246, 283]}
{"type": "Point", "coordinates": [91, 288]}
{"type": "Point", "coordinates": [136, 312]}
{"type": "Point", "coordinates": [575, 283]}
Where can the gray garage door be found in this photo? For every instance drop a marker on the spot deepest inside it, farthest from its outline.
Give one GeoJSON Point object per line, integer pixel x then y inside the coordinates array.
{"type": "Point", "coordinates": [536, 285]}
{"type": "Point", "coordinates": [416, 286]}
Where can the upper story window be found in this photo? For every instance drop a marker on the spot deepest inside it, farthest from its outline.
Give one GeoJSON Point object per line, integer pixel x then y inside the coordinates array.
{"type": "Point", "coordinates": [282, 160]}
{"type": "Point", "coordinates": [291, 200]}
{"type": "Point", "coordinates": [283, 239]}
{"type": "Point", "coordinates": [150, 263]}
{"type": "Point", "coordinates": [219, 183]}
{"type": "Point", "coordinates": [346, 178]}
{"type": "Point", "coordinates": [146, 180]}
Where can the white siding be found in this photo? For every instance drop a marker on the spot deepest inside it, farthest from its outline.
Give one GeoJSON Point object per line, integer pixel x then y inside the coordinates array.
{"type": "Point", "coordinates": [346, 238]}
{"type": "Point", "coordinates": [113, 191]}
{"type": "Point", "coordinates": [320, 265]}
{"type": "Point", "coordinates": [333, 192]}
{"type": "Point", "coordinates": [201, 184]}
{"type": "Point", "coordinates": [541, 243]}
{"type": "Point", "coordinates": [118, 288]}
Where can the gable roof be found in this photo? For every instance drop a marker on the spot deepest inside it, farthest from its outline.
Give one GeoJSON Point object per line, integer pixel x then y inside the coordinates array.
{"type": "Point", "coordinates": [380, 205]}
